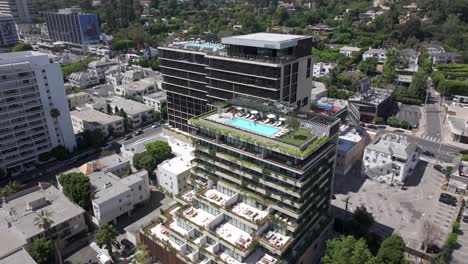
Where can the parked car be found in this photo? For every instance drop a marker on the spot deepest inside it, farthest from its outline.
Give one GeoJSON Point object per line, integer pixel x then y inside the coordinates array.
{"type": "Point", "coordinates": [156, 124]}
{"type": "Point", "coordinates": [128, 247]}
{"type": "Point", "coordinates": [127, 137]}
{"type": "Point", "coordinates": [399, 131]}
{"type": "Point", "coordinates": [372, 126]}
{"type": "Point", "coordinates": [439, 168]}
{"type": "Point", "coordinates": [465, 216]}
{"type": "Point", "coordinates": [138, 132]}
{"type": "Point", "coordinates": [428, 153]}
{"type": "Point", "coordinates": [448, 199]}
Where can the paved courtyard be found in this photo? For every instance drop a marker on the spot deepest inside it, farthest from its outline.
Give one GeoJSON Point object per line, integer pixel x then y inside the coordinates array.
{"type": "Point", "coordinates": [395, 210]}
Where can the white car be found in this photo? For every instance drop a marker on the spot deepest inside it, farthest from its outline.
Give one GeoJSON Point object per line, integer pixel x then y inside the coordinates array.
{"type": "Point", "coordinates": [104, 258]}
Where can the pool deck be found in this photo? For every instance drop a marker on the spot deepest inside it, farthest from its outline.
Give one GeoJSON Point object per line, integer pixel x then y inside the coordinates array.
{"type": "Point", "coordinates": [225, 118]}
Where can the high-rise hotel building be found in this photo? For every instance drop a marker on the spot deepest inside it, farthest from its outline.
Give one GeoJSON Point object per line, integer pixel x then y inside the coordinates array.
{"type": "Point", "coordinates": [262, 65]}
{"type": "Point", "coordinates": [31, 88]}
{"type": "Point", "coordinates": [262, 184]}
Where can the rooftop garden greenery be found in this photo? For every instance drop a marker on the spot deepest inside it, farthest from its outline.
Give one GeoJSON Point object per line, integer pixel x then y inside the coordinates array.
{"type": "Point", "coordinates": [297, 137]}
{"type": "Point", "coordinates": [293, 150]}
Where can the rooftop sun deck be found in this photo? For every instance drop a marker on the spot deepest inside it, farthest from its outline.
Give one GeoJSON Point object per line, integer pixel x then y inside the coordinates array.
{"type": "Point", "coordinates": [162, 233]}
{"type": "Point", "coordinates": [198, 216]}
{"type": "Point", "coordinates": [216, 197]}
{"type": "Point", "coordinates": [234, 235]}
{"type": "Point", "coordinates": [249, 212]}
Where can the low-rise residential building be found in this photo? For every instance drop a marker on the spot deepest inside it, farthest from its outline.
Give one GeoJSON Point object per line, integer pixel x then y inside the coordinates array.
{"type": "Point", "coordinates": [178, 147]}
{"type": "Point", "coordinates": [18, 213]}
{"type": "Point", "coordinates": [172, 174]}
{"type": "Point", "coordinates": [78, 99]}
{"type": "Point", "coordinates": [350, 148]}
{"type": "Point", "coordinates": [372, 103]}
{"type": "Point", "coordinates": [157, 100]}
{"type": "Point", "coordinates": [116, 191]}
{"type": "Point", "coordinates": [349, 51]}
{"type": "Point", "coordinates": [20, 256]}
{"type": "Point", "coordinates": [322, 69]}
{"type": "Point", "coordinates": [136, 89]}
{"type": "Point", "coordinates": [458, 182]}
{"type": "Point", "coordinates": [379, 54]}
{"type": "Point", "coordinates": [433, 48]}
{"type": "Point", "coordinates": [137, 112]}
{"type": "Point", "coordinates": [82, 79]}
{"type": "Point", "coordinates": [409, 66]}
{"type": "Point", "coordinates": [369, 15]}
{"type": "Point", "coordinates": [458, 123]}
{"type": "Point", "coordinates": [90, 119]}
{"type": "Point", "coordinates": [390, 159]}
{"type": "Point", "coordinates": [98, 68]}
{"type": "Point", "coordinates": [446, 58]}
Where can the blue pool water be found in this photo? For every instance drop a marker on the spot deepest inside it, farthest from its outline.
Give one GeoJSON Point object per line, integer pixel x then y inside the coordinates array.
{"type": "Point", "coordinates": [204, 46]}
{"type": "Point", "coordinates": [249, 125]}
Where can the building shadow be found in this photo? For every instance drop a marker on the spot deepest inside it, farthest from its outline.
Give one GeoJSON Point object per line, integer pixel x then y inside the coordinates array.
{"type": "Point", "coordinates": [349, 182]}
{"type": "Point", "coordinates": [343, 218]}
{"type": "Point", "coordinates": [415, 178]}
{"type": "Point", "coordinates": [140, 211]}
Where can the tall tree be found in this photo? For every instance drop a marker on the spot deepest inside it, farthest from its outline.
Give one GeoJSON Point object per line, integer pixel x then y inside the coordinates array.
{"type": "Point", "coordinates": [106, 236]}
{"type": "Point", "coordinates": [389, 67]}
{"type": "Point", "coordinates": [347, 250]}
{"type": "Point", "coordinates": [43, 220]}
{"type": "Point", "coordinates": [392, 251]}
{"type": "Point", "coordinates": [42, 251]}
{"type": "Point", "coordinates": [77, 187]}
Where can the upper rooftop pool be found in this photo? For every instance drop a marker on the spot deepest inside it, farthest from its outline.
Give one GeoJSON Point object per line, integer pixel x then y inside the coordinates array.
{"type": "Point", "coordinates": [203, 46]}
{"type": "Point", "coordinates": [254, 127]}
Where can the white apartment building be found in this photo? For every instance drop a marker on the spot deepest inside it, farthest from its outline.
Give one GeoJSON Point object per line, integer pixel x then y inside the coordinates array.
{"type": "Point", "coordinates": [349, 51]}
{"type": "Point", "coordinates": [322, 69]}
{"type": "Point", "coordinates": [21, 10]}
{"type": "Point", "coordinates": [390, 159]}
{"type": "Point", "coordinates": [350, 148]}
{"type": "Point", "coordinates": [82, 79]}
{"type": "Point", "coordinates": [379, 54]}
{"type": "Point", "coordinates": [137, 112]}
{"type": "Point", "coordinates": [115, 192]}
{"type": "Point", "coordinates": [116, 77]}
{"type": "Point", "coordinates": [136, 89]}
{"type": "Point", "coordinates": [90, 119]}
{"type": "Point", "coordinates": [172, 174]}
{"type": "Point", "coordinates": [19, 210]}
{"type": "Point", "coordinates": [98, 68]}
{"type": "Point", "coordinates": [31, 87]}
{"type": "Point", "coordinates": [78, 99]}
{"type": "Point", "coordinates": [157, 100]}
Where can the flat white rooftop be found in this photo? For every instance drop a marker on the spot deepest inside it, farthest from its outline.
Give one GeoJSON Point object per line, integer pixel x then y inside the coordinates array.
{"type": "Point", "coordinates": [234, 235]}
{"type": "Point", "coordinates": [265, 40]}
{"type": "Point", "coordinates": [216, 197]}
{"type": "Point", "coordinates": [249, 212]}
{"type": "Point", "coordinates": [162, 233]}
{"type": "Point", "coordinates": [198, 216]}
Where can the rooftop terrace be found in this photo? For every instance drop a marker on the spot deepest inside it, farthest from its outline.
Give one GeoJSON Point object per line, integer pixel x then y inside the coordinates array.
{"type": "Point", "coordinates": [270, 124]}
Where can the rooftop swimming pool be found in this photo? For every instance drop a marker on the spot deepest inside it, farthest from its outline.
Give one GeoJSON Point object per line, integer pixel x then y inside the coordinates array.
{"type": "Point", "coordinates": [255, 127]}
{"type": "Point", "coordinates": [203, 46]}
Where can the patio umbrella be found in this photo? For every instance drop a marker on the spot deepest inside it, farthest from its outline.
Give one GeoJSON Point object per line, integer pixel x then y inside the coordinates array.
{"type": "Point", "coordinates": [254, 112]}
{"type": "Point", "coordinates": [282, 119]}
{"type": "Point", "coordinates": [271, 116]}
{"type": "Point", "coordinates": [239, 108]}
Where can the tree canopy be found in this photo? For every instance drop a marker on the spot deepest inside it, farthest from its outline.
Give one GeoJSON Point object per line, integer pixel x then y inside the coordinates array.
{"type": "Point", "coordinates": [156, 153]}
{"type": "Point", "coordinates": [42, 251]}
{"type": "Point", "coordinates": [21, 47]}
{"type": "Point", "coordinates": [348, 250]}
{"type": "Point", "coordinates": [391, 251]}
{"type": "Point", "coordinates": [77, 187]}
{"type": "Point", "coordinates": [106, 236]}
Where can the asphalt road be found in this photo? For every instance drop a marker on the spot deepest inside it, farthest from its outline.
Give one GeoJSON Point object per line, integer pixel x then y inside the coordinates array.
{"type": "Point", "coordinates": [446, 151]}
{"type": "Point", "coordinates": [433, 122]}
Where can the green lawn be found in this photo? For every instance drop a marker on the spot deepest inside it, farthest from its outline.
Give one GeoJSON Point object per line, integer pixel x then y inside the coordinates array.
{"type": "Point", "coordinates": [296, 137]}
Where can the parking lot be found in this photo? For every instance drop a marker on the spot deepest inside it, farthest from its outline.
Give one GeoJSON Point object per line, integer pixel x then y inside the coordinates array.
{"type": "Point", "coordinates": [399, 211]}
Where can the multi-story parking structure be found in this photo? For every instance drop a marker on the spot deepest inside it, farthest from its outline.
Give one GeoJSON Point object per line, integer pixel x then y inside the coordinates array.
{"type": "Point", "coordinates": [261, 65]}
{"type": "Point", "coordinates": [262, 179]}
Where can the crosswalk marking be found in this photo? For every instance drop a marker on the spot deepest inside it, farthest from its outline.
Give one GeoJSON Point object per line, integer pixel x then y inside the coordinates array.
{"type": "Point", "coordinates": [432, 138]}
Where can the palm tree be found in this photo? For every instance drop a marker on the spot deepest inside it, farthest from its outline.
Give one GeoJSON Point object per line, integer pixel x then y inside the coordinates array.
{"type": "Point", "coordinates": [43, 220]}
{"type": "Point", "coordinates": [55, 113]}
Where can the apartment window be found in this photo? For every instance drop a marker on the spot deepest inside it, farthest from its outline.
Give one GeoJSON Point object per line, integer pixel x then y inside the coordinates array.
{"type": "Point", "coordinates": [309, 63]}
{"type": "Point", "coordinates": [139, 187]}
